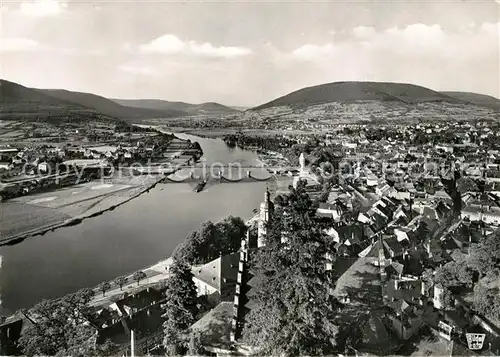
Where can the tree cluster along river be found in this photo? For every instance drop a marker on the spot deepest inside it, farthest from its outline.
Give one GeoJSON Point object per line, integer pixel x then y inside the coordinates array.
{"type": "Point", "coordinates": [134, 235]}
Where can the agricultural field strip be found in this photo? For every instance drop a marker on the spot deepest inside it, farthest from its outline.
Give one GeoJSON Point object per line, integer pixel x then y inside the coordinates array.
{"type": "Point", "coordinates": [69, 197]}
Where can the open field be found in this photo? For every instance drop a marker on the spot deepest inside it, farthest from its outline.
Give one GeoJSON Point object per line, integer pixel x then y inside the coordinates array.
{"type": "Point", "coordinates": [73, 195]}
{"type": "Point", "coordinates": [16, 218]}
{"type": "Point", "coordinates": [34, 214]}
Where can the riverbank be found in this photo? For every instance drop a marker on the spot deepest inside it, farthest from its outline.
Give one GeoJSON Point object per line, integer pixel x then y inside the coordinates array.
{"type": "Point", "coordinates": [266, 158]}
{"type": "Point", "coordinates": [147, 229]}
{"type": "Point", "coordinates": [48, 206]}
{"type": "Point", "coordinates": [219, 133]}
{"type": "Point", "coordinates": [38, 213]}
{"type": "Point", "coordinates": [27, 216]}
{"type": "Point", "coordinates": [155, 274]}
{"type": "Point", "coordinates": [273, 159]}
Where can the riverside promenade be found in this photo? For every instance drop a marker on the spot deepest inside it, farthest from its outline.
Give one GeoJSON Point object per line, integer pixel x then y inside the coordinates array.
{"type": "Point", "coordinates": [155, 274]}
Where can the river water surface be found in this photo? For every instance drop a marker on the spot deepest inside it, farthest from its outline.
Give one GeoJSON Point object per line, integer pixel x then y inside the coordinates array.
{"type": "Point", "coordinates": [137, 234]}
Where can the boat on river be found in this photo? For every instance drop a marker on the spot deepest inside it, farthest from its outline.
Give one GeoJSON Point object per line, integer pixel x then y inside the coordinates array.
{"type": "Point", "coordinates": [200, 186]}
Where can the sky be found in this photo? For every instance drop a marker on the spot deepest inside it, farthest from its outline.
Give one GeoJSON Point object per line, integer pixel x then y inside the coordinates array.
{"type": "Point", "coordinates": [247, 52]}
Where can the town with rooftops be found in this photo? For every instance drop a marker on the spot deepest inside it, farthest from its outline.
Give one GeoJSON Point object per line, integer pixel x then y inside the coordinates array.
{"type": "Point", "coordinates": [393, 230]}
{"type": "Point", "coordinates": [249, 178]}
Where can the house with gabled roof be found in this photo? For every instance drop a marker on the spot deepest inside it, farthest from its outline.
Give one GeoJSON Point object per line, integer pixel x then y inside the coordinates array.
{"type": "Point", "coordinates": [394, 247]}
{"type": "Point", "coordinates": [377, 338]}
{"type": "Point", "coordinates": [215, 329]}
{"type": "Point", "coordinates": [218, 277]}
{"type": "Point", "coordinates": [11, 329]}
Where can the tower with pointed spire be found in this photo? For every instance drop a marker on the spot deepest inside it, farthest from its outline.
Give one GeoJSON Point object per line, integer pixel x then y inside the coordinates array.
{"type": "Point", "coordinates": [266, 209]}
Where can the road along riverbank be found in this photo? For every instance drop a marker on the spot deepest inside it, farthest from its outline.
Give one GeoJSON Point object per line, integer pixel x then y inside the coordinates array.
{"type": "Point", "coordinates": [125, 239]}
{"type": "Point", "coordinates": [37, 214]}
{"type": "Point", "coordinates": [155, 274]}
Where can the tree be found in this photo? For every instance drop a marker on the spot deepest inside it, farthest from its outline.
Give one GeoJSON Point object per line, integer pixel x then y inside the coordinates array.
{"type": "Point", "coordinates": [205, 242]}
{"type": "Point", "coordinates": [487, 297]}
{"type": "Point", "coordinates": [211, 241]}
{"type": "Point", "coordinates": [198, 245]}
{"type": "Point", "coordinates": [293, 311]}
{"type": "Point", "coordinates": [180, 308]}
{"type": "Point", "coordinates": [484, 256]}
{"type": "Point", "coordinates": [278, 200]}
{"type": "Point", "coordinates": [348, 336]}
{"type": "Point", "coordinates": [253, 232]}
{"type": "Point", "coordinates": [325, 192]}
{"type": "Point", "coordinates": [120, 281]}
{"type": "Point", "coordinates": [195, 347]}
{"type": "Point", "coordinates": [104, 286]}
{"type": "Point", "coordinates": [105, 349]}
{"type": "Point", "coordinates": [447, 299]}
{"type": "Point", "coordinates": [139, 275]}
{"type": "Point", "coordinates": [229, 233]}
{"type": "Point", "coordinates": [59, 326]}
{"type": "Point", "coordinates": [186, 251]}
{"type": "Point", "coordinates": [454, 274]}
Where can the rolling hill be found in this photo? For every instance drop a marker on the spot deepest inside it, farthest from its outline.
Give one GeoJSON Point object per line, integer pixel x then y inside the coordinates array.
{"type": "Point", "coordinates": [190, 109]}
{"type": "Point", "coordinates": [15, 98]}
{"type": "Point", "coordinates": [368, 102]}
{"type": "Point", "coordinates": [109, 107]}
{"type": "Point", "coordinates": [348, 92]}
{"type": "Point", "coordinates": [340, 102]}
{"type": "Point", "coordinates": [20, 101]}
{"type": "Point", "coordinates": [482, 100]}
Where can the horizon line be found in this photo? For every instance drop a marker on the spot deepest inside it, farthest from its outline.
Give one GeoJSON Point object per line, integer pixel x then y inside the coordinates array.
{"type": "Point", "coordinates": [112, 98]}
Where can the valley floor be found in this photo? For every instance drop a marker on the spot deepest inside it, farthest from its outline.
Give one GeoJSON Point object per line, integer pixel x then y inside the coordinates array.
{"type": "Point", "coordinates": [31, 215]}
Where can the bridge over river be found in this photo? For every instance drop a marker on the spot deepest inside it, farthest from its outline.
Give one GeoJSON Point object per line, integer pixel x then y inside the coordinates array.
{"type": "Point", "coordinates": [236, 165]}
{"type": "Point", "coordinates": [201, 179]}
{"type": "Point", "coordinates": [218, 177]}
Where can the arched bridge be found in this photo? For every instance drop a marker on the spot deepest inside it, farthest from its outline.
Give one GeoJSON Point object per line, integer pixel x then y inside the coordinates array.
{"type": "Point", "coordinates": [236, 166]}
{"type": "Point", "coordinates": [218, 178]}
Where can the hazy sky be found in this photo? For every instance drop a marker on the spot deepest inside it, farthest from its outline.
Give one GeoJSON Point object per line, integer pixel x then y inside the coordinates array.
{"type": "Point", "coordinates": [247, 52]}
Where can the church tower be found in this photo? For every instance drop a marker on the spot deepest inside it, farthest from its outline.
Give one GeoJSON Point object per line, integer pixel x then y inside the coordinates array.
{"type": "Point", "coordinates": [302, 162]}
{"type": "Point", "coordinates": [266, 209]}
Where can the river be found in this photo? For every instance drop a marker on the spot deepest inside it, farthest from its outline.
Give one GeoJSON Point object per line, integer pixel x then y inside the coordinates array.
{"type": "Point", "coordinates": [137, 234]}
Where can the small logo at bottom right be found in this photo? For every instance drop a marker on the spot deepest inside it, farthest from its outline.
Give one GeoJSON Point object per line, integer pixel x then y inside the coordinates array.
{"type": "Point", "coordinates": [475, 341]}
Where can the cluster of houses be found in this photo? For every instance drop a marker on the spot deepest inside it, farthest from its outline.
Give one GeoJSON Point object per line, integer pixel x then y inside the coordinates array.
{"type": "Point", "coordinates": [139, 311]}
{"type": "Point", "coordinates": [410, 216]}
{"type": "Point", "coordinates": [379, 260]}
{"type": "Point", "coordinates": [25, 171]}
{"type": "Point", "coordinates": [139, 149]}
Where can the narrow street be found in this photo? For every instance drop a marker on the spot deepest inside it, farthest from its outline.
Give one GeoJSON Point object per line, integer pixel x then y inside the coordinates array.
{"type": "Point", "coordinates": [154, 274]}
